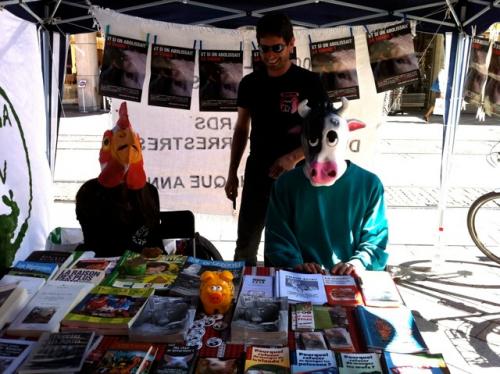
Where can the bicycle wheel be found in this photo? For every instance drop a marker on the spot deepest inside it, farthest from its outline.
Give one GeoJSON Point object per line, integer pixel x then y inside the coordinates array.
{"type": "Point", "coordinates": [483, 222]}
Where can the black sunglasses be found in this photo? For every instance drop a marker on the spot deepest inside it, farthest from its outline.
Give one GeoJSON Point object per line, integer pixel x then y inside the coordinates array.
{"type": "Point", "coordinates": [276, 48]}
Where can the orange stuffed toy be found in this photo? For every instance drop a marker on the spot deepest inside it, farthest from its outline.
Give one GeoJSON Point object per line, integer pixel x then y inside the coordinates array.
{"type": "Point", "coordinates": [216, 291]}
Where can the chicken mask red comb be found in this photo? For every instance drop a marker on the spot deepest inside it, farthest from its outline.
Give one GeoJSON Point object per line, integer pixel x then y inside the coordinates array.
{"type": "Point", "coordinates": [121, 155]}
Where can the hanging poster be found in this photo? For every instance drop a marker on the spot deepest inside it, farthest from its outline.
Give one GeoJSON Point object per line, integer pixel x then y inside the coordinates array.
{"type": "Point", "coordinates": [492, 89]}
{"type": "Point", "coordinates": [123, 68]}
{"type": "Point", "coordinates": [172, 76]}
{"type": "Point", "coordinates": [257, 63]}
{"type": "Point", "coordinates": [220, 75]}
{"type": "Point", "coordinates": [478, 71]}
{"type": "Point", "coordinates": [392, 57]}
{"type": "Point", "coordinates": [335, 62]}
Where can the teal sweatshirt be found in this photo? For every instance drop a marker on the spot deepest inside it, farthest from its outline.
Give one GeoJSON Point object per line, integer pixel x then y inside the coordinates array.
{"type": "Point", "coordinates": [327, 225]}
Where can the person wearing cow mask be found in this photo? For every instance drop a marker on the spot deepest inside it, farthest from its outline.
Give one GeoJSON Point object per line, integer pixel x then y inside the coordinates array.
{"type": "Point", "coordinates": [119, 210]}
{"type": "Point", "coordinates": [268, 99]}
{"type": "Point", "coordinates": [329, 214]}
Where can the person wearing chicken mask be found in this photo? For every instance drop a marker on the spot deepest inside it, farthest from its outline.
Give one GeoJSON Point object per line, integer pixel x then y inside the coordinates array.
{"type": "Point", "coordinates": [119, 210]}
{"type": "Point", "coordinates": [329, 215]}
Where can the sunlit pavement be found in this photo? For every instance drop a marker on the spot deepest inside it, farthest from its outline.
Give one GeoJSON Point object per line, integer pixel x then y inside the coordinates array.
{"type": "Point", "coordinates": [455, 297]}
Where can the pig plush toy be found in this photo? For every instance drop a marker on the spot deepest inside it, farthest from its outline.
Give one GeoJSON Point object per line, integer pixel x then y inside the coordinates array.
{"type": "Point", "coordinates": [329, 214]}
{"type": "Point", "coordinates": [216, 291]}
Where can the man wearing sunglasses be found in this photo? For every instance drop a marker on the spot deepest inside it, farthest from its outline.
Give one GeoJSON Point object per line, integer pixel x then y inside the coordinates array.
{"type": "Point", "coordinates": [267, 111]}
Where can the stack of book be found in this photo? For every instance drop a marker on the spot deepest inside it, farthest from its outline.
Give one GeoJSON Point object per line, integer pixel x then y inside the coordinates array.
{"type": "Point", "coordinates": [13, 353]}
{"type": "Point", "coordinates": [13, 298]}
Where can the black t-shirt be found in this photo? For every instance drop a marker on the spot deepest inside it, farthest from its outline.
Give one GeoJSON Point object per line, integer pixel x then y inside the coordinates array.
{"type": "Point", "coordinates": [272, 103]}
{"type": "Point", "coordinates": [116, 219]}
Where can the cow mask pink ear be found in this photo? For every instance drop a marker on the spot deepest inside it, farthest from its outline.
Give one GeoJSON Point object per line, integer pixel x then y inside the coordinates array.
{"type": "Point", "coordinates": [355, 124]}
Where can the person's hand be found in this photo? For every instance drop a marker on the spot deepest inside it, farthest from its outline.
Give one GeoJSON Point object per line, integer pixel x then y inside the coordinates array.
{"type": "Point", "coordinates": [309, 267]}
{"type": "Point", "coordinates": [282, 164]}
{"type": "Point", "coordinates": [353, 267]}
{"type": "Point", "coordinates": [231, 187]}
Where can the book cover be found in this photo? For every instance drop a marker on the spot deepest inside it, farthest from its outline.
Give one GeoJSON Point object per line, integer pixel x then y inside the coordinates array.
{"type": "Point", "coordinates": [342, 290]}
{"type": "Point", "coordinates": [211, 365]}
{"type": "Point", "coordinates": [62, 352]}
{"type": "Point", "coordinates": [260, 321]}
{"type": "Point", "coordinates": [359, 363]}
{"type": "Point", "coordinates": [257, 285]}
{"type": "Point", "coordinates": [160, 273]}
{"type": "Point", "coordinates": [187, 282]}
{"type": "Point", "coordinates": [303, 316]}
{"type": "Point", "coordinates": [300, 287]}
{"type": "Point", "coordinates": [108, 307]}
{"type": "Point", "coordinates": [389, 329]}
{"type": "Point", "coordinates": [379, 289]}
{"type": "Point", "coordinates": [34, 269]}
{"type": "Point", "coordinates": [339, 339]}
{"type": "Point", "coordinates": [267, 359]}
{"type": "Point", "coordinates": [164, 319]}
{"type": "Point", "coordinates": [314, 360]}
{"type": "Point", "coordinates": [62, 259]}
{"type": "Point", "coordinates": [13, 353]}
{"type": "Point", "coordinates": [12, 300]}
{"type": "Point", "coordinates": [81, 275]}
{"type": "Point", "coordinates": [124, 357]}
{"type": "Point", "coordinates": [413, 363]}
{"type": "Point", "coordinates": [177, 359]}
{"type": "Point", "coordinates": [47, 308]}
{"type": "Point", "coordinates": [149, 361]}
{"type": "Point", "coordinates": [310, 340]}
{"type": "Point", "coordinates": [92, 264]}
{"type": "Point", "coordinates": [326, 317]}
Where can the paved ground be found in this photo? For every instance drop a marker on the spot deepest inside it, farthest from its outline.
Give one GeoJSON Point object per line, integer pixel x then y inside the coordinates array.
{"type": "Point", "coordinates": [457, 302]}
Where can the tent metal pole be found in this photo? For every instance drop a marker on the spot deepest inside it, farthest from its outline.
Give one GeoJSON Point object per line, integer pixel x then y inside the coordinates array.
{"type": "Point", "coordinates": [12, 2]}
{"type": "Point", "coordinates": [286, 6]}
{"type": "Point", "coordinates": [479, 14]}
{"type": "Point", "coordinates": [423, 19]}
{"type": "Point", "coordinates": [419, 7]}
{"type": "Point", "coordinates": [31, 13]}
{"type": "Point", "coordinates": [355, 6]}
{"type": "Point", "coordinates": [495, 4]}
{"type": "Point", "coordinates": [55, 9]}
{"type": "Point", "coordinates": [218, 19]}
{"type": "Point", "coordinates": [347, 21]}
{"type": "Point", "coordinates": [454, 14]}
{"type": "Point", "coordinates": [76, 5]}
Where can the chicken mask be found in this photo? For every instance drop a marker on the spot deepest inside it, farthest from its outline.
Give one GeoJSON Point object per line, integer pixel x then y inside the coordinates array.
{"type": "Point", "coordinates": [121, 155]}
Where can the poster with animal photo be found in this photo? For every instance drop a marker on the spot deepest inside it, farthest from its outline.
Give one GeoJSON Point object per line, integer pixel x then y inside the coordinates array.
{"type": "Point", "coordinates": [123, 68]}
{"type": "Point", "coordinates": [392, 57]}
{"type": "Point", "coordinates": [172, 76]}
{"type": "Point", "coordinates": [335, 62]}
{"type": "Point", "coordinates": [258, 65]}
{"type": "Point", "coordinates": [492, 89]}
{"type": "Point", "coordinates": [220, 74]}
{"type": "Point", "coordinates": [478, 71]}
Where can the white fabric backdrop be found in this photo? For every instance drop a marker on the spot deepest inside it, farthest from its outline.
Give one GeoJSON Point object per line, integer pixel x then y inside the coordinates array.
{"type": "Point", "coordinates": [24, 168]}
{"type": "Point", "coordinates": [194, 178]}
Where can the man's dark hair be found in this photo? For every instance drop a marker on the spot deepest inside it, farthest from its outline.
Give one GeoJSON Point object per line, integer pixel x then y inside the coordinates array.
{"type": "Point", "coordinates": [275, 24]}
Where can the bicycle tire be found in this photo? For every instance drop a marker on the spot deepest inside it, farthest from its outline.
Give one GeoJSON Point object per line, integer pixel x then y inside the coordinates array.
{"type": "Point", "coordinates": [473, 226]}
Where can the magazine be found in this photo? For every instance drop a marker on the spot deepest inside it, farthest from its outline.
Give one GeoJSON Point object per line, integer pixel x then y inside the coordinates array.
{"type": "Point", "coordinates": [164, 319]}
{"type": "Point", "coordinates": [160, 272]}
{"type": "Point", "coordinates": [342, 290]}
{"type": "Point", "coordinates": [312, 360]}
{"type": "Point", "coordinates": [81, 275]}
{"type": "Point", "coordinates": [177, 359]}
{"type": "Point", "coordinates": [379, 289]}
{"type": "Point", "coordinates": [359, 363]}
{"type": "Point", "coordinates": [257, 285]}
{"type": "Point", "coordinates": [34, 269]}
{"type": "Point", "coordinates": [125, 357]}
{"type": "Point", "coordinates": [267, 359]}
{"type": "Point", "coordinates": [300, 287]}
{"type": "Point", "coordinates": [260, 321]}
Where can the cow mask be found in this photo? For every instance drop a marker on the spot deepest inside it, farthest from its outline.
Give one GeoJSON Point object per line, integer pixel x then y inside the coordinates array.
{"type": "Point", "coordinates": [121, 155]}
{"type": "Point", "coordinates": [325, 136]}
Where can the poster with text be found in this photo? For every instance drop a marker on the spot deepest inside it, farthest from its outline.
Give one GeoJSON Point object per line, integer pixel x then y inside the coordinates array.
{"type": "Point", "coordinates": [478, 71]}
{"type": "Point", "coordinates": [392, 57]}
{"type": "Point", "coordinates": [492, 89]}
{"type": "Point", "coordinates": [123, 68]}
{"type": "Point", "coordinates": [172, 76]}
{"type": "Point", "coordinates": [335, 62]}
{"type": "Point", "coordinates": [220, 74]}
